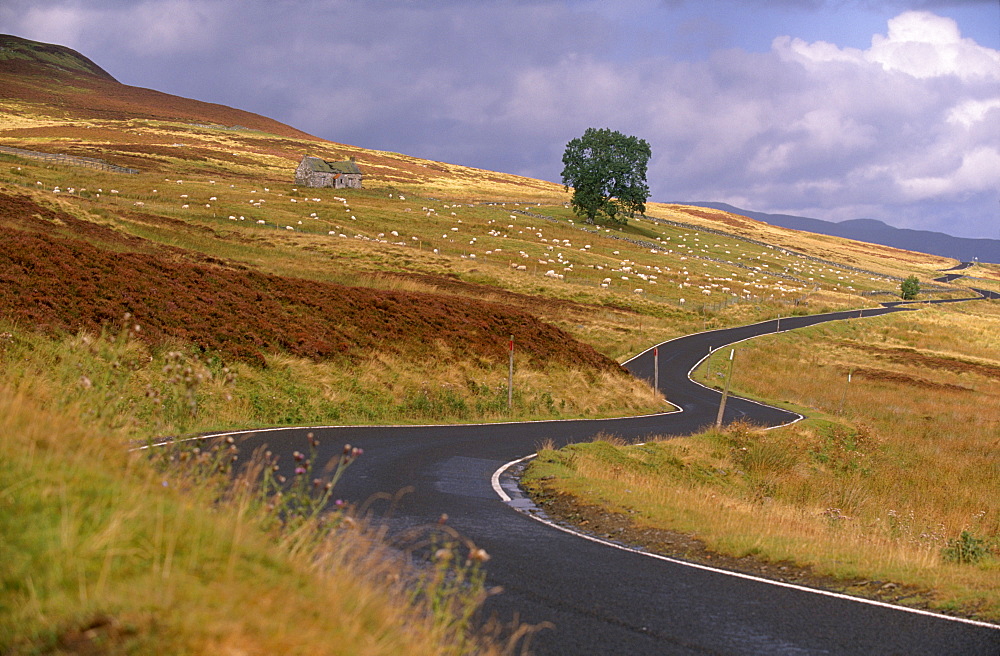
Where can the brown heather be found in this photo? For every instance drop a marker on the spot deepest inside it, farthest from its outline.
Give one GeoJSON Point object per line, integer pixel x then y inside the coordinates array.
{"type": "Point", "coordinates": [244, 314]}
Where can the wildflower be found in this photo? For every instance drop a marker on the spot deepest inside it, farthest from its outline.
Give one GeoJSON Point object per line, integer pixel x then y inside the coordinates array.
{"type": "Point", "coordinates": [478, 555]}
{"type": "Point", "coordinates": [300, 471]}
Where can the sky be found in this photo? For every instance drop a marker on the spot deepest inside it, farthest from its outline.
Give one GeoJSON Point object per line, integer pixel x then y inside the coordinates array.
{"type": "Point", "coordinates": [832, 109]}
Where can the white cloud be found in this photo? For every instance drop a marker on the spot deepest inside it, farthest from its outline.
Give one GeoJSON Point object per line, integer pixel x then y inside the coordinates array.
{"type": "Point", "coordinates": [970, 112]}
{"type": "Point", "coordinates": [924, 45]}
{"type": "Point", "coordinates": [979, 169]}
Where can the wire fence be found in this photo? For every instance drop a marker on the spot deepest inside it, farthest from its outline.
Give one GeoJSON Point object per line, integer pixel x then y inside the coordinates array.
{"type": "Point", "coordinates": [72, 160]}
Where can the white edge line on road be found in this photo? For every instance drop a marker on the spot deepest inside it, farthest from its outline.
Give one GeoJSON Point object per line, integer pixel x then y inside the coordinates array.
{"type": "Point", "coordinates": [740, 575]}
{"type": "Point", "coordinates": [676, 409]}
{"type": "Point", "coordinates": [495, 482]}
{"type": "Point", "coordinates": [276, 429]}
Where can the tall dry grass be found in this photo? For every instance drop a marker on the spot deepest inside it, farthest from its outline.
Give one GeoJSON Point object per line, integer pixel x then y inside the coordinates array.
{"type": "Point", "coordinates": [104, 551]}
{"type": "Point", "coordinates": [892, 472]}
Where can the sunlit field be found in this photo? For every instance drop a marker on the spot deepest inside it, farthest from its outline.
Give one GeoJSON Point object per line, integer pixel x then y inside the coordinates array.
{"type": "Point", "coordinates": [893, 477]}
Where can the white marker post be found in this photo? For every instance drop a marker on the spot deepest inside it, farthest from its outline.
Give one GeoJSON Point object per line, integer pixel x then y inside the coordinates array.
{"type": "Point", "coordinates": [725, 391]}
{"type": "Point", "coordinates": [844, 397]}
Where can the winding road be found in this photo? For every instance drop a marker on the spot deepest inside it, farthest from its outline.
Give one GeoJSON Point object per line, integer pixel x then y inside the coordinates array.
{"type": "Point", "coordinates": [951, 277]}
{"type": "Point", "coordinates": [601, 599]}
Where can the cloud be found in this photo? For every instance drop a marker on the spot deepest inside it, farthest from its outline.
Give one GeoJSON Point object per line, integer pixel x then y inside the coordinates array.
{"type": "Point", "coordinates": [143, 29]}
{"type": "Point", "coordinates": [58, 24]}
{"type": "Point", "coordinates": [924, 46]}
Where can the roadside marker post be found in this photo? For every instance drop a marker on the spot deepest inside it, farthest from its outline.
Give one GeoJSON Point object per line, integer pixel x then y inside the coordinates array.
{"type": "Point", "coordinates": [725, 390]}
{"type": "Point", "coordinates": [844, 397]}
{"type": "Point", "coordinates": [510, 376]}
{"type": "Point", "coordinates": [656, 368]}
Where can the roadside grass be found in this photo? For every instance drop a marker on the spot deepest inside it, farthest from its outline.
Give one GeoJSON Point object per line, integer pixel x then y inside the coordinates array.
{"type": "Point", "coordinates": [105, 552]}
{"type": "Point", "coordinates": [117, 381]}
{"type": "Point", "coordinates": [892, 478]}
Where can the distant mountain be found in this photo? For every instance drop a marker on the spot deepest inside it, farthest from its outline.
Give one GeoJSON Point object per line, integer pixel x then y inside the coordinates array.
{"type": "Point", "coordinates": [876, 232]}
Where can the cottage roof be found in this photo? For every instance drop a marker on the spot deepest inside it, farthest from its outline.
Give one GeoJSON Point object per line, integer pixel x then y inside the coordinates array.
{"type": "Point", "coordinates": [321, 166]}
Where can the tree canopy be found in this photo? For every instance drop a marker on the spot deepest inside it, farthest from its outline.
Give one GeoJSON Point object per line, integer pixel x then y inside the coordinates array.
{"type": "Point", "coordinates": [909, 288]}
{"type": "Point", "coordinates": [607, 171]}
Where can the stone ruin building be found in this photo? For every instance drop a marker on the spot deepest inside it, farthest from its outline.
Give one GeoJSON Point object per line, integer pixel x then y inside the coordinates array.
{"type": "Point", "coordinates": [316, 172]}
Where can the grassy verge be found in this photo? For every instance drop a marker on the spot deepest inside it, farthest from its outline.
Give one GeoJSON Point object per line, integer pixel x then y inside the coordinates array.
{"type": "Point", "coordinates": [107, 552]}
{"type": "Point", "coordinates": [118, 381]}
{"type": "Point", "coordinates": [894, 477]}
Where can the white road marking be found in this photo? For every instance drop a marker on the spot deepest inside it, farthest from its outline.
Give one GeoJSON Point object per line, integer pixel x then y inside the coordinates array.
{"type": "Point", "coordinates": [749, 577]}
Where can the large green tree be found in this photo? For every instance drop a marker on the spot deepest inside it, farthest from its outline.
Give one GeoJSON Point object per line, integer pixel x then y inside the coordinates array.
{"type": "Point", "coordinates": [909, 288]}
{"type": "Point", "coordinates": [607, 171]}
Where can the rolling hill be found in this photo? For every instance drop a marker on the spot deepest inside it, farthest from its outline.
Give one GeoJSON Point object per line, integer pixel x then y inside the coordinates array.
{"type": "Point", "coordinates": [877, 232]}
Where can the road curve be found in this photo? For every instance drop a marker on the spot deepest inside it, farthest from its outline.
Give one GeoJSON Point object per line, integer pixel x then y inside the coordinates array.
{"type": "Point", "coordinates": [602, 600]}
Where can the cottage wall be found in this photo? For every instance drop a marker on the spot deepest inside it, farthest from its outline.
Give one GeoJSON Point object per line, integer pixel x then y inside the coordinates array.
{"type": "Point", "coordinates": [351, 180]}
{"type": "Point", "coordinates": [305, 174]}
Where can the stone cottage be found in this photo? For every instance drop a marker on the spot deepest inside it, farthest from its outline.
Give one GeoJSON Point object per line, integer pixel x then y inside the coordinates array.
{"type": "Point", "coordinates": [315, 172]}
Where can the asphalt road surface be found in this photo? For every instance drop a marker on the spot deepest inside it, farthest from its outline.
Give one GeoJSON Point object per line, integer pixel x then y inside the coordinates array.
{"type": "Point", "coordinates": [597, 598]}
